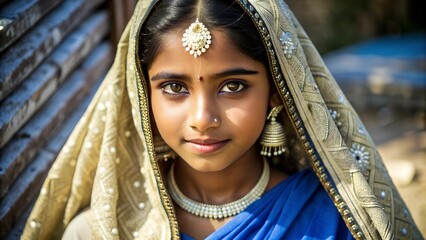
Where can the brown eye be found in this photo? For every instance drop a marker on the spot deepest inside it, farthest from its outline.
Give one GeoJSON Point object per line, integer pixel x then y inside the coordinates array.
{"type": "Point", "coordinates": [174, 88]}
{"type": "Point", "coordinates": [232, 87]}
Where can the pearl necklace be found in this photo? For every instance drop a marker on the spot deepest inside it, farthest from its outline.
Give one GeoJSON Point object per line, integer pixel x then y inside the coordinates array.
{"type": "Point", "coordinates": [218, 211]}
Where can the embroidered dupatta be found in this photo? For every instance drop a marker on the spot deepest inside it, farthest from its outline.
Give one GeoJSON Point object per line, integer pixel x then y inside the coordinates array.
{"type": "Point", "coordinates": [109, 163]}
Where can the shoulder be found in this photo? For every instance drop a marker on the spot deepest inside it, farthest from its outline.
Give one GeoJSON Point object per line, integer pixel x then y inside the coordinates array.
{"type": "Point", "coordinates": [304, 192]}
{"type": "Point", "coordinates": [299, 182]}
{"type": "Point", "coordinates": [79, 228]}
{"type": "Point", "coordinates": [276, 178]}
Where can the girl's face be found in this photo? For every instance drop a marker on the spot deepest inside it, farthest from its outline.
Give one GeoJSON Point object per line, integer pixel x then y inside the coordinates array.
{"type": "Point", "coordinates": [210, 110]}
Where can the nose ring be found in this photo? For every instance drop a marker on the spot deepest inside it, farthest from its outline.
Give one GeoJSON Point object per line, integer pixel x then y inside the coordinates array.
{"type": "Point", "coordinates": [216, 122]}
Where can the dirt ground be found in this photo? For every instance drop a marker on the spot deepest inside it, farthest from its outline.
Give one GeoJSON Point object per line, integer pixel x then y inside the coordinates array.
{"type": "Point", "coordinates": [402, 145]}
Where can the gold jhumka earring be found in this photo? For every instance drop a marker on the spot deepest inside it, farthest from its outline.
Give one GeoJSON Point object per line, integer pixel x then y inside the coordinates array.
{"type": "Point", "coordinates": [273, 139]}
{"type": "Point", "coordinates": [162, 151]}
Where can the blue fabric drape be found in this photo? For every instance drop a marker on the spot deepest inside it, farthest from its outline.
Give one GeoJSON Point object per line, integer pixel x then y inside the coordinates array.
{"type": "Point", "coordinates": [297, 208]}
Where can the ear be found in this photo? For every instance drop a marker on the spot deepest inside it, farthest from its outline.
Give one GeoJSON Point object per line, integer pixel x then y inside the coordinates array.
{"type": "Point", "coordinates": [274, 100]}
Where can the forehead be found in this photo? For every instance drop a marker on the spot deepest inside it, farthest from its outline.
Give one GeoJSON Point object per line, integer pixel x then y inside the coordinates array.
{"type": "Point", "coordinates": [223, 53]}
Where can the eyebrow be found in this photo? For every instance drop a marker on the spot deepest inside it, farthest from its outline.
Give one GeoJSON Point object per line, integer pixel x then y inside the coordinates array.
{"type": "Point", "coordinates": [235, 71]}
{"type": "Point", "coordinates": [168, 75]}
{"type": "Point", "coordinates": [230, 72]}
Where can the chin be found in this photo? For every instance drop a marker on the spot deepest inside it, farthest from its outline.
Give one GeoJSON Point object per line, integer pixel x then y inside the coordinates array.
{"type": "Point", "coordinates": [206, 166]}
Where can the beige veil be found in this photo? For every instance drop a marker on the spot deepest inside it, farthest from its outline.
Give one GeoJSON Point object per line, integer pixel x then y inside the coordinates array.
{"type": "Point", "coordinates": [108, 163]}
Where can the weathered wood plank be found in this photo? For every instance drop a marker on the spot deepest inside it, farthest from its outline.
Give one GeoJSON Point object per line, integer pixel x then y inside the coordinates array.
{"type": "Point", "coordinates": [121, 11]}
{"type": "Point", "coordinates": [18, 107]}
{"type": "Point", "coordinates": [18, 62]}
{"type": "Point", "coordinates": [80, 43]}
{"type": "Point", "coordinates": [17, 154]}
{"type": "Point", "coordinates": [18, 16]}
{"type": "Point", "coordinates": [44, 160]}
{"type": "Point", "coordinates": [42, 126]}
{"type": "Point", "coordinates": [17, 230]}
{"type": "Point", "coordinates": [102, 56]}
{"type": "Point", "coordinates": [54, 146]}
{"type": "Point", "coordinates": [14, 203]}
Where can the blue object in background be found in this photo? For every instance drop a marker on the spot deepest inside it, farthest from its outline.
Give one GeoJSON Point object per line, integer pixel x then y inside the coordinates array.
{"type": "Point", "coordinates": [384, 71]}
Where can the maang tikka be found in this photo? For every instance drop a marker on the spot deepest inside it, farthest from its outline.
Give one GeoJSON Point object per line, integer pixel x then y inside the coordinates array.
{"type": "Point", "coordinates": [273, 139]}
{"type": "Point", "coordinates": [196, 39]}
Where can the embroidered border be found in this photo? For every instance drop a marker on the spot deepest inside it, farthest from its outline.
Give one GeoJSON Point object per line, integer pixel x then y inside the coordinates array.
{"type": "Point", "coordinates": [300, 128]}
{"type": "Point", "coordinates": [145, 121]}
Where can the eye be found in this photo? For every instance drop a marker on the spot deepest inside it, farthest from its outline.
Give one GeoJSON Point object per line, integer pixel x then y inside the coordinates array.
{"type": "Point", "coordinates": [233, 87]}
{"type": "Point", "coordinates": [174, 88]}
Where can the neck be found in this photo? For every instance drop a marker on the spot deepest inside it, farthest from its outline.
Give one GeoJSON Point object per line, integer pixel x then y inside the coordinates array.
{"type": "Point", "coordinates": [223, 186]}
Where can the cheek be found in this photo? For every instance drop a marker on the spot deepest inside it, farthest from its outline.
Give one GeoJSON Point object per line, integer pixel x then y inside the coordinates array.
{"type": "Point", "coordinates": [167, 116]}
{"type": "Point", "coordinates": [245, 116]}
{"type": "Point", "coordinates": [155, 106]}
{"type": "Point", "coordinates": [249, 118]}
{"type": "Point", "coordinates": [160, 113]}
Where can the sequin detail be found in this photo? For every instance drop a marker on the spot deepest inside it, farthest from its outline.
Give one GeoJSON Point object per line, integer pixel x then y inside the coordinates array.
{"type": "Point", "coordinates": [404, 231]}
{"type": "Point", "coordinates": [335, 115]}
{"type": "Point", "coordinates": [287, 44]}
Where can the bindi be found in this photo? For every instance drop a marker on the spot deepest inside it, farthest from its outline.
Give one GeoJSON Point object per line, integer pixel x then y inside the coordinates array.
{"type": "Point", "coordinates": [200, 78]}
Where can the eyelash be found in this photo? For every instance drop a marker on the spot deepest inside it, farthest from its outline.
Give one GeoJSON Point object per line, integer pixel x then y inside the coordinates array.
{"type": "Point", "coordinates": [170, 92]}
{"type": "Point", "coordinates": [242, 87]}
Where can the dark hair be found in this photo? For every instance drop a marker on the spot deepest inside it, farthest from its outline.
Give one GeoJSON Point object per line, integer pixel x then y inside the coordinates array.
{"type": "Point", "coordinates": [176, 15]}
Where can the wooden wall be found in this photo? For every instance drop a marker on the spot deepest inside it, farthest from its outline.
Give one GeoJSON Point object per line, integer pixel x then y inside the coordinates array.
{"type": "Point", "coordinates": [53, 55]}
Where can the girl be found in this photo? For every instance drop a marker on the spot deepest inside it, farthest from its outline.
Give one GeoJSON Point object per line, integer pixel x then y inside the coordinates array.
{"type": "Point", "coordinates": [218, 120]}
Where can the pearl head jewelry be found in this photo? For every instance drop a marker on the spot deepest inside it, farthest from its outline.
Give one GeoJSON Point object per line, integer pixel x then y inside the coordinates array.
{"type": "Point", "coordinates": [196, 39]}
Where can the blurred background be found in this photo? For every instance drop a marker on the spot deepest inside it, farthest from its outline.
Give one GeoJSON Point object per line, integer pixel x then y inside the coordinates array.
{"type": "Point", "coordinates": [333, 24]}
{"type": "Point", "coordinates": [54, 53]}
{"type": "Point", "coordinates": [376, 50]}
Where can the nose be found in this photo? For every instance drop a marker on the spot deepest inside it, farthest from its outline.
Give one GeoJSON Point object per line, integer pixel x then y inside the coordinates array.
{"type": "Point", "coordinates": [204, 114]}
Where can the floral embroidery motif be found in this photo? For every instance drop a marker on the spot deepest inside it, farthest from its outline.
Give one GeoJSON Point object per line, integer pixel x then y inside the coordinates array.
{"type": "Point", "coordinates": [361, 155]}
{"type": "Point", "coordinates": [287, 44]}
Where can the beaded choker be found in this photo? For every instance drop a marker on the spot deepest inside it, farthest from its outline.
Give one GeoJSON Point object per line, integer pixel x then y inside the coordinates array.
{"type": "Point", "coordinates": [218, 211]}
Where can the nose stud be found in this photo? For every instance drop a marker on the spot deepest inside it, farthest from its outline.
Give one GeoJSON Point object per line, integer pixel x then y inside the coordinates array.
{"type": "Point", "coordinates": [204, 124]}
{"type": "Point", "coordinates": [216, 122]}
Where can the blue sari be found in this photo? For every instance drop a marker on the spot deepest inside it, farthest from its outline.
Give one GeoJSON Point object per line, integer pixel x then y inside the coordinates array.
{"type": "Point", "coordinates": [297, 208]}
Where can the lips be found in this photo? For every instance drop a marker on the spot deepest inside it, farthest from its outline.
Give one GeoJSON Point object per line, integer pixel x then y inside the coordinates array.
{"type": "Point", "coordinates": [205, 146]}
